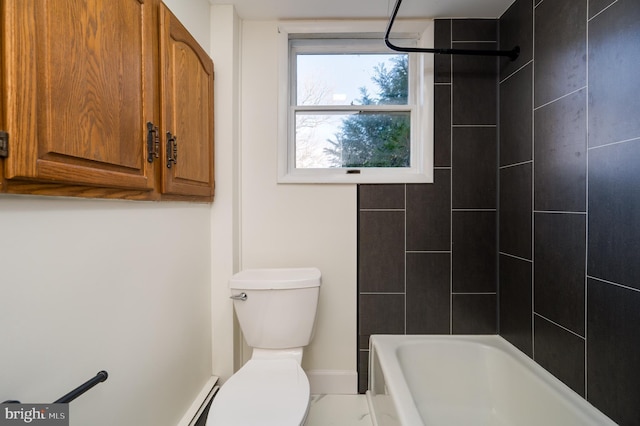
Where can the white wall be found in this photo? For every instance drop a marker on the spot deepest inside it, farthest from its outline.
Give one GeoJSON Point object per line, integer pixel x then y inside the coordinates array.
{"type": "Point", "coordinates": [87, 285]}
{"type": "Point", "coordinates": [195, 16]}
{"type": "Point", "coordinates": [225, 39]}
{"type": "Point", "coordinates": [295, 225]}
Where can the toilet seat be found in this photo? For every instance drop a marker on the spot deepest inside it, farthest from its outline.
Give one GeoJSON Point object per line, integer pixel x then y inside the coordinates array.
{"type": "Point", "coordinates": [265, 392]}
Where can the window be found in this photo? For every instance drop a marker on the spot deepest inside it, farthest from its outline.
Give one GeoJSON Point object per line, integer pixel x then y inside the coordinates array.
{"type": "Point", "coordinates": [353, 110]}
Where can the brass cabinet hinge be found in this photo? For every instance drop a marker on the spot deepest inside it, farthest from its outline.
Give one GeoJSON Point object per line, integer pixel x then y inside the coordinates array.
{"type": "Point", "coordinates": [4, 144]}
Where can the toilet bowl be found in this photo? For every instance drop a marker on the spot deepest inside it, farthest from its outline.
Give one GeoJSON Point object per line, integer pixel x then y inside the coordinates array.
{"type": "Point", "coordinates": [263, 392]}
{"type": "Point", "coordinates": [276, 310]}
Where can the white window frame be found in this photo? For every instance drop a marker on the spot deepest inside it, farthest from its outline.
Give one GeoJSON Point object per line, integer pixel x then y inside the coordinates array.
{"type": "Point", "coordinates": [420, 105]}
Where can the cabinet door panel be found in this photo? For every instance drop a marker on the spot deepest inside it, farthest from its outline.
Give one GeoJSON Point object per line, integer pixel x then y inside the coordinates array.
{"type": "Point", "coordinates": [87, 91]}
{"type": "Point", "coordinates": [2, 125]}
{"type": "Point", "coordinates": [187, 103]}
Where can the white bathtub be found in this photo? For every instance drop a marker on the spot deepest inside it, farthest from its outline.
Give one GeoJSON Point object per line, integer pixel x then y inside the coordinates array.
{"type": "Point", "coordinates": [467, 381]}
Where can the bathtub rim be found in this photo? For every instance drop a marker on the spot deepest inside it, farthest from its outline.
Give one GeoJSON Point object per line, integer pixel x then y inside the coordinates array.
{"type": "Point", "coordinates": [385, 347]}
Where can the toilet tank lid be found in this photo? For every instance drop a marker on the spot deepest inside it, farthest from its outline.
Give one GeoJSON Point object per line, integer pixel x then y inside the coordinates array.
{"type": "Point", "coordinates": [275, 278]}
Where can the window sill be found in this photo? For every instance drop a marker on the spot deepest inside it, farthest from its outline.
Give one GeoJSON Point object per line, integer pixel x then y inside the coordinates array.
{"type": "Point", "coordinates": [341, 176]}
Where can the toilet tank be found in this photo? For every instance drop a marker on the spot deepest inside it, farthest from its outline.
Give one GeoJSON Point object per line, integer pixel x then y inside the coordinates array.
{"type": "Point", "coordinates": [279, 311]}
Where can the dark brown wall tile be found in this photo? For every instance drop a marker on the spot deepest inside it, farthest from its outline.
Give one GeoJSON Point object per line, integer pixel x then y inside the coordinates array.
{"type": "Point", "coordinates": [442, 126]}
{"type": "Point", "coordinates": [561, 353]}
{"type": "Point", "coordinates": [381, 251]}
{"type": "Point", "coordinates": [559, 268]}
{"type": "Point", "coordinates": [474, 30]}
{"type": "Point", "coordinates": [515, 304]}
{"type": "Point", "coordinates": [613, 350]}
{"type": "Point", "coordinates": [442, 40]}
{"type": "Point", "coordinates": [474, 314]}
{"type": "Point", "coordinates": [429, 214]}
{"type": "Point", "coordinates": [561, 154]}
{"type": "Point", "coordinates": [428, 293]}
{"type": "Point", "coordinates": [516, 29]}
{"type": "Point", "coordinates": [516, 117]}
{"type": "Point", "coordinates": [612, 205]}
{"type": "Point", "coordinates": [560, 49]}
{"type": "Point", "coordinates": [363, 369]}
{"type": "Point", "coordinates": [614, 61]}
{"type": "Point", "coordinates": [474, 86]}
{"type": "Point", "coordinates": [381, 196]}
{"type": "Point", "coordinates": [516, 210]}
{"type": "Point", "coordinates": [474, 168]}
{"type": "Point", "coordinates": [381, 314]}
{"type": "Point", "coordinates": [474, 251]}
{"type": "Point", "coordinates": [614, 213]}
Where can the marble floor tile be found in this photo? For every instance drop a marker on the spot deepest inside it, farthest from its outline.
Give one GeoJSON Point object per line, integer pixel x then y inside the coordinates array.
{"type": "Point", "coordinates": [338, 410]}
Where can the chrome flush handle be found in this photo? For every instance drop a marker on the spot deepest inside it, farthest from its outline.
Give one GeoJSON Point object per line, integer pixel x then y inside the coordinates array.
{"type": "Point", "coordinates": [242, 296]}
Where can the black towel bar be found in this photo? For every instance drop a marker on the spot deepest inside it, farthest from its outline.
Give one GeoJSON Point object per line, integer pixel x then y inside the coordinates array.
{"type": "Point", "coordinates": [100, 377]}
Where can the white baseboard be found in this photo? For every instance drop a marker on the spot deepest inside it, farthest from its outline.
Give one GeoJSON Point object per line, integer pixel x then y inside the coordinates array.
{"type": "Point", "coordinates": [333, 382]}
{"type": "Point", "coordinates": [198, 405]}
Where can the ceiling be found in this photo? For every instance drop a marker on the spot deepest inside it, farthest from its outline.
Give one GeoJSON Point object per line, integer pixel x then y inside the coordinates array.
{"type": "Point", "coordinates": [365, 9]}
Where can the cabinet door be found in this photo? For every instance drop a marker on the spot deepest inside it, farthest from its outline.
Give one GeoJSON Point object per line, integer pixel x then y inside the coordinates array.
{"type": "Point", "coordinates": [78, 84]}
{"type": "Point", "coordinates": [187, 111]}
{"type": "Point", "coordinates": [2, 126]}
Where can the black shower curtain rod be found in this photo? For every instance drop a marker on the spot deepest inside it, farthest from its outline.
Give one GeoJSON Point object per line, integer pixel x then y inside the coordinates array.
{"type": "Point", "coordinates": [511, 54]}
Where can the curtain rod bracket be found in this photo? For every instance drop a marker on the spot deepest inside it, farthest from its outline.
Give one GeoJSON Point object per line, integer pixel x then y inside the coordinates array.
{"type": "Point", "coordinates": [511, 54]}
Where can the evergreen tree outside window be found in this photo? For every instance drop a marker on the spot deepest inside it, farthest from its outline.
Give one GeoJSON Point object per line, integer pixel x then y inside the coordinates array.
{"type": "Point", "coordinates": [355, 112]}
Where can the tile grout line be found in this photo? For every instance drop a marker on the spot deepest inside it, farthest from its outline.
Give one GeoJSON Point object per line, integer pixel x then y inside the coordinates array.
{"type": "Point", "coordinates": [566, 95]}
{"type": "Point", "coordinates": [521, 163]}
{"type": "Point", "coordinates": [497, 183]}
{"type": "Point", "coordinates": [533, 134]}
{"type": "Point", "coordinates": [451, 76]}
{"type": "Point", "coordinates": [626, 287]}
{"type": "Point", "coordinates": [473, 126]}
{"type": "Point", "coordinates": [405, 258]}
{"type": "Point", "coordinates": [473, 41]}
{"type": "Point", "coordinates": [586, 207]}
{"type": "Point", "coordinates": [560, 325]}
{"type": "Point", "coordinates": [598, 14]}
{"type": "Point", "coordinates": [515, 72]}
{"type": "Point", "coordinates": [558, 212]}
{"type": "Point", "coordinates": [613, 143]}
{"type": "Point", "coordinates": [473, 210]}
{"type": "Point", "coordinates": [513, 256]}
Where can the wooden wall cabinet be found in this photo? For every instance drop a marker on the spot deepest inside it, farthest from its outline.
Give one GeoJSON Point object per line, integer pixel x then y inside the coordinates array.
{"type": "Point", "coordinates": [187, 120]}
{"type": "Point", "coordinates": [81, 80]}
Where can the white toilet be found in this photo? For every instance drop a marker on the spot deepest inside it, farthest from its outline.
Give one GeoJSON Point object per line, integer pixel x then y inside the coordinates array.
{"type": "Point", "coordinates": [276, 309]}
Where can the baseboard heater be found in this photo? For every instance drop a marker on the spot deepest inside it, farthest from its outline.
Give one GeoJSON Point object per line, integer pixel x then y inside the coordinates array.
{"type": "Point", "coordinates": [200, 418]}
{"type": "Point", "coordinates": [196, 415]}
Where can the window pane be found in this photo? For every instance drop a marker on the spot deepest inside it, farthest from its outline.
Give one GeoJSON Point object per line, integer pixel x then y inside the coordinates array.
{"type": "Point", "coordinates": [352, 79]}
{"type": "Point", "coordinates": [365, 139]}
